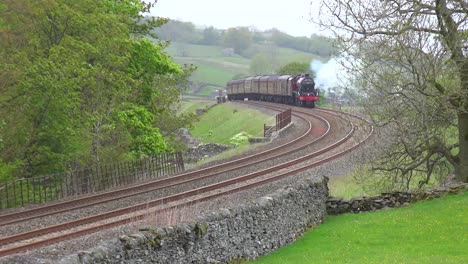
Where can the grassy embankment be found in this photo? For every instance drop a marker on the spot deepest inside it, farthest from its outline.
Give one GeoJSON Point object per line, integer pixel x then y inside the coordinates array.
{"type": "Point", "coordinates": [427, 232]}
{"type": "Point", "coordinates": [224, 121]}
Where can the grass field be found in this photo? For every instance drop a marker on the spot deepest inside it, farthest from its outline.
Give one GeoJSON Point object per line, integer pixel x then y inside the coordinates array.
{"type": "Point", "coordinates": [433, 231]}
{"type": "Point", "coordinates": [226, 120]}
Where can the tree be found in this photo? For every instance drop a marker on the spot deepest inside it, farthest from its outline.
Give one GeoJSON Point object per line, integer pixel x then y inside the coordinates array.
{"type": "Point", "coordinates": [83, 82]}
{"type": "Point", "coordinates": [410, 58]}
{"type": "Point", "coordinates": [211, 36]}
{"type": "Point", "coordinates": [295, 68]}
{"type": "Point", "coordinates": [179, 31]}
{"type": "Point", "coordinates": [238, 38]}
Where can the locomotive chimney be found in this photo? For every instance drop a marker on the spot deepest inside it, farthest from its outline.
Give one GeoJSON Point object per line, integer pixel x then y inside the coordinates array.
{"type": "Point", "coordinates": [307, 75]}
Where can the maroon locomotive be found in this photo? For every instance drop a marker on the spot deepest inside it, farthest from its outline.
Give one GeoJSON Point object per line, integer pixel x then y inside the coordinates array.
{"type": "Point", "coordinates": [287, 89]}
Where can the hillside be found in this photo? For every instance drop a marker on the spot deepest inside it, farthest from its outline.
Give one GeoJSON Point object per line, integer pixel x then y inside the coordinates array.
{"type": "Point", "coordinates": [216, 68]}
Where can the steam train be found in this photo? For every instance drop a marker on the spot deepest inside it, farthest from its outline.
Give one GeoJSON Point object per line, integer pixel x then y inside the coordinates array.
{"type": "Point", "coordinates": [287, 89]}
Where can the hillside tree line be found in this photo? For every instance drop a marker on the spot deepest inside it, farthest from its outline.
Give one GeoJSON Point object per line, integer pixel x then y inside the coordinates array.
{"type": "Point", "coordinates": [243, 38]}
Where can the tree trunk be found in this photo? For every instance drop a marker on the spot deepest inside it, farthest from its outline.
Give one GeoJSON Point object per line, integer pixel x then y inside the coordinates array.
{"type": "Point", "coordinates": [462, 170]}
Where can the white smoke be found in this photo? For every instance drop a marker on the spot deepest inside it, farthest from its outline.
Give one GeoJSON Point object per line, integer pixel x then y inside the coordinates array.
{"type": "Point", "coordinates": [326, 74]}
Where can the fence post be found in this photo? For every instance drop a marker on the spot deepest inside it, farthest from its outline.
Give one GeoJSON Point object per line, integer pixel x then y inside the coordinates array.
{"type": "Point", "coordinates": [14, 194]}
{"type": "Point", "coordinates": [6, 192]}
{"type": "Point", "coordinates": [28, 189]}
{"type": "Point", "coordinates": [33, 182]}
{"type": "Point", "coordinates": [181, 161]}
{"type": "Point", "coordinates": [21, 190]}
{"type": "Point", "coordinates": [44, 185]}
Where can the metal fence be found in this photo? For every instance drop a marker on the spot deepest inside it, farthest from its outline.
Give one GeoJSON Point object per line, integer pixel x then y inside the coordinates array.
{"type": "Point", "coordinates": [282, 120]}
{"type": "Point", "coordinates": [89, 180]}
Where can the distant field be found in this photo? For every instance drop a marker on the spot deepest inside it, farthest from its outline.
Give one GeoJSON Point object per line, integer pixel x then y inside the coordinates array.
{"type": "Point", "coordinates": [214, 67]}
{"type": "Point", "coordinates": [427, 232]}
{"type": "Point", "coordinates": [226, 120]}
{"type": "Point", "coordinates": [209, 73]}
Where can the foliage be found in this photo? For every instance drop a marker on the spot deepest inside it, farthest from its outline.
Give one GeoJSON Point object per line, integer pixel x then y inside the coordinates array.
{"type": "Point", "coordinates": [146, 139]}
{"type": "Point", "coordinates": [240, 139]}
{"type": "Point", "coordinates": [149, 59]}
{"type": "Point", "coordinates": [426, 232]}
{"type": "Point", "coordinates": [8, 170]}
{"type": "Point", "coordinates": [410, 61]}
{"type": "Point", "coordinates": [179, 31]}
{"type": "Point", "coordinates": [85, 84]}
{"type": "Point", "coordinates": [295, 68]}
{"type": "Point", "coordinates": [211, 36]}
{"type": "Point", "coordinates": [316, 44]}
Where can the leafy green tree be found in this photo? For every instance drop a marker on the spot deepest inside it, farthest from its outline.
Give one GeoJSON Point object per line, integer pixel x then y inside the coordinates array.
{"type": "Point", "coordinates": [145, 138]}
{"type": "Point", "coordinates": [294, 68]}
{"type": "Point", "coordinates": [77, 74]}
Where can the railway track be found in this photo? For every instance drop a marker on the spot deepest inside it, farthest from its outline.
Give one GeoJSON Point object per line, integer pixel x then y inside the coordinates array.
{"type": "Point", "coordinates": [42, 211]}
{"type": "Point", "coordinates": [14, 243]}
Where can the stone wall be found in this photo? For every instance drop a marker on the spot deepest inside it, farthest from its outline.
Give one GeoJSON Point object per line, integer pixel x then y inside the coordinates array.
{"type": "Point", "coordinates": [388, 200]}
{"type": "Point", "coordinates": [200, 152]}
{"type": "Point", "coordinates": [243, 232]}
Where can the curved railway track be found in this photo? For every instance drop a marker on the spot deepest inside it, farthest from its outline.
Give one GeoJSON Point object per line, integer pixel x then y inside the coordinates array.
{"type": "Point", "coordinates": [18, 242]}
{"type": "Point", "coordinates": [42, 211]}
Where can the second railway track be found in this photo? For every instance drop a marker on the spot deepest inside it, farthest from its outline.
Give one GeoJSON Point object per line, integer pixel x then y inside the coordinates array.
{"type": "Point", "coordinates": [297, 162]}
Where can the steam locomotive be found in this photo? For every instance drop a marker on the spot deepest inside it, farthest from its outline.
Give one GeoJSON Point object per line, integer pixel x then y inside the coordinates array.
{"type": "Point", "coordinates": [287, 89]}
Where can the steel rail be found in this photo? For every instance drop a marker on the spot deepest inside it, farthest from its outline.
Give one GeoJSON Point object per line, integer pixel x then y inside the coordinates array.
{"type": "Point", "coordinates": [203, 190]}
{"type": "Point", "coordinates": [92, 200]}
{"type": "Point", "coordinates": [130, 209]}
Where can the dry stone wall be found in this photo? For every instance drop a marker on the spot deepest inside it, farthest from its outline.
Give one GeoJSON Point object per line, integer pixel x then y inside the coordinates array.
{"type": "Point", "coordinates": [243, 232]}
{"type": "Point", "coordinates": [389, 200]}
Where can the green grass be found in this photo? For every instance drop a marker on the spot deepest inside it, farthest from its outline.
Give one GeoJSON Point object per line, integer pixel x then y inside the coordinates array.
{"type": "Point", "coordinates": [433, 231]}
{"type": "Point", "coordinates": [223, 121]}
{"type": "Point", "coordinates": [210, 72]}
{"type": "Point", "coordinates": [346, 188]}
